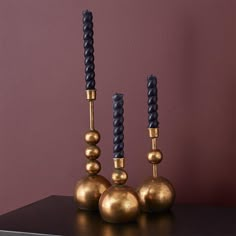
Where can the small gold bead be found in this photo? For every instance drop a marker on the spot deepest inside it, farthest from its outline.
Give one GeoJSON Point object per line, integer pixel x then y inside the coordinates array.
{"type": "Point", "coordinates": [119, 176]}
{"type": "Point", "coordinates": [155, 156]}
{"type": "Point", "coordinates": [93, 167]}
{"type": "Point", "coordinates": [92, 152]}
{"type": "Point", "coordinates": [92, 137]}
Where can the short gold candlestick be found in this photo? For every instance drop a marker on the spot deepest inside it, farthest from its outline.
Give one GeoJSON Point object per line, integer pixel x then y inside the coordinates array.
{"type": "Point", "coordinates": [89, 189]}
{"type": "Point", "coordinates": [119, 203]}
{"type": "Point", "coordinates": [156, 194]}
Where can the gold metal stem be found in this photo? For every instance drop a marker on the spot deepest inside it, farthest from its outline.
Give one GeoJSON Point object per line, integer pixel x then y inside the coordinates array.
{"type": "Point", "coordinates": [154, 143]}
{"type": "Point", "coordinates": [91, 114]}
{"type": "Point", "coordinates": [154, 166]}
{"type": "Point", "coordinates": [154, 170]}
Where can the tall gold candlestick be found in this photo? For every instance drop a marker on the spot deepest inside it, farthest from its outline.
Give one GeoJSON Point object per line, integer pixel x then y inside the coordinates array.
{"type": "Point", "coordinates": [89, 189]}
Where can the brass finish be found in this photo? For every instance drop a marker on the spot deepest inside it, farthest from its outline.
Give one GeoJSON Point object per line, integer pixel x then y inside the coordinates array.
{"type": "Point", "coordinates": [91, 94]}
{"type": "Point", "coordinates": [119, 162]}
{"type": "Point", "coordinates": [156, 195]}
{"type": "Point", "coordinates": [153, 132]}
{"type": "Point", "coordinates": [93, 167]}
{"type": "Point", "coordinates": [119, 204]}
{"type": "Point", "coordinates": [92, 152]}
{"type": "Point", "coordinates": [92, 137]}
{"type": "Point", "coordinates": [155, 156]}
{"type": "Point", "coordinates": [119, 176]}
{"type": "Point", "coordinates": [88, 191]}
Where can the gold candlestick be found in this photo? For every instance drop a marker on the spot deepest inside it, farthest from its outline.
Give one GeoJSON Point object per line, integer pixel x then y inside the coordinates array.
{"type": "Point", "coordinates": [156, 194]}
{"type": "Point", "coordinates": [119, 203]}
{"type": "Point", "coordinates": [89, 189]}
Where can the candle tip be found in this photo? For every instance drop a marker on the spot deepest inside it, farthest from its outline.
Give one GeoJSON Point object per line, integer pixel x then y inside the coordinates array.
{"type": "Point", "coordinates": [117, 96]}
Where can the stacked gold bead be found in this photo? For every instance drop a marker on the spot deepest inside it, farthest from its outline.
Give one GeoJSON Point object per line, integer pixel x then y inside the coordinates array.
{"type": "Point", "coordinates": [92, 152]}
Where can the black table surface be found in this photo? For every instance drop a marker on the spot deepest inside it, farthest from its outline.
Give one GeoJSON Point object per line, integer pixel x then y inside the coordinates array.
{"type": "Point", "coordinates": [57, 215]}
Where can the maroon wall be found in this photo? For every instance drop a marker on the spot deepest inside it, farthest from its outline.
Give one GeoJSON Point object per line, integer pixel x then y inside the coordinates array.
{"type": "Point", "coordinates": [189, 45]}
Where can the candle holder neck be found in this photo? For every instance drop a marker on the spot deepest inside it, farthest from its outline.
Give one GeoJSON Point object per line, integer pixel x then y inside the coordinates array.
{"type": "Point", "coordinates": [155, 155]}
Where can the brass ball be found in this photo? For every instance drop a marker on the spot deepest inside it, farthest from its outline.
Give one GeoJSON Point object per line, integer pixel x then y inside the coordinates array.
{"type": "Point", "coordinates": [119, 204]}
{"type": "Point", "coordinates": [92, 137]}
{"type": "Point", "coordinates": [156, 195]}
{"type": "Point", "coordinates": [88, 191]}
{"type": "Point", "coordinates": [119, 176]}
{"type": "Point", "coordinates": [155, 156]}
{"type": "Point", "coordinates": [93, 167]}
{"type": "Point", "coordinates": [92, 152]}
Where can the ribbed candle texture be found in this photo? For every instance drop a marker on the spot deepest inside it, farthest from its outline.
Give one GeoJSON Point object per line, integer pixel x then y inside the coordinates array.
{"type": "Point", "coordinates": [88, 50]}
{"type": "Point", "coordinates": [152, 102]}
{"type": "Point", "coordinates": [118, 127]}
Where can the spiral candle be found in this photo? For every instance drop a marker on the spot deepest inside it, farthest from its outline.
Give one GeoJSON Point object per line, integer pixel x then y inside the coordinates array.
{"type": "Point", "coordinates": [118, 128]}
{"type": "Point", "coordinates": [152, 102]}
{"type": "Point", "coordinates": [88, 50]}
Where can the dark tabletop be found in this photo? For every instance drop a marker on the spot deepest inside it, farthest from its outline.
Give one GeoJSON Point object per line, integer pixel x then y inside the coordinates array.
{"type": "Point", "coordinates": [57, 215]}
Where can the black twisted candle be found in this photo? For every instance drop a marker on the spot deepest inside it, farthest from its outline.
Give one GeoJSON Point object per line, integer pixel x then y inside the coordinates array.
{"type": "Point", "coordinates": [118, 127]}
{"type": "Point", "coordinates": [88, 50]}
{"type": "Point", "coordinates": [152, 102]}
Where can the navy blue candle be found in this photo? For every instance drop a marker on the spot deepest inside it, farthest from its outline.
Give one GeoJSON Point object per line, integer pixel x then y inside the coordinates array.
{"type": "Point", "coordinates": [152, 102]}
{"type": "Point", "coordinates": [118, 127]}
{"type": "Point", "coordinates": [88, 50]}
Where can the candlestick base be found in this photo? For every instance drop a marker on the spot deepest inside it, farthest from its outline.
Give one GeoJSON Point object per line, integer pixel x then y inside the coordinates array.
{"type": "Point", "coordinates": [156, 194]}
{"type": "Point", "coordinates": [88, 191]}
{"type": "Point", "coordinates": [119, 204]}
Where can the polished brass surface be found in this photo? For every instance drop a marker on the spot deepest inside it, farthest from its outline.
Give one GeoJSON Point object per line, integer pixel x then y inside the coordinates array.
{"type": "Point", "coordinates": [88, 191]}
{"type": "Point", "coordinates": [119, 204]}
{"type": "Point", "coordinates": [155, 156]}
{"type": "Point", "coordinates": [153, 132]}
{"type": "Point", "coordinates": [92, 137]}
{"type": "Point", "coordinates": [91, 94]}
{"type": "Point", "coordinates": [119, 176]}
{"type": "Point", "coordinates": [92, 152]}
{"type": "Point", "coordinates": [93, 167]}
{"type": "Point", "coordinates": [119, 162]}
{"type": "Point", "coordinates": [156, 195]}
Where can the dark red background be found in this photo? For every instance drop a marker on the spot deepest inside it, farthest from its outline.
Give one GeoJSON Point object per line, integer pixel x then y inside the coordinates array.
{"type": "Point", "coordinates": [189, 45]}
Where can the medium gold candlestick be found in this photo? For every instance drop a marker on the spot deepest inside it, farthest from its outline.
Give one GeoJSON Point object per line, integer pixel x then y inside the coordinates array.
{"type": "Point", "coordinates": [89, 189]}
{"type": "Point", "coordinates": [119, 203]}
{"type": "Point", "coordinates": [156, 194]}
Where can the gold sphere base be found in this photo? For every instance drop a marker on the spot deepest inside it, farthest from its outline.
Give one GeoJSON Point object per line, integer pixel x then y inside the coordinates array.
{"type": "Point", "coordinates": [88, 191]}
{"type": "Point", "coordinates": [119, 204]}
{"type": "Point", "coordinates": [156, 195]}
